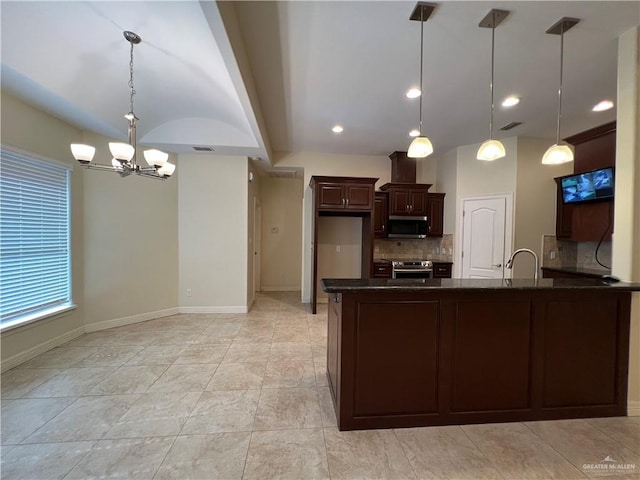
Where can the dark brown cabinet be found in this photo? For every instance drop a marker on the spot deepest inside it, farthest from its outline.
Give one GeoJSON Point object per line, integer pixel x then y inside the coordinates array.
{"type": "Point", "coordinates": [594, 149]}
{"type": "Point", "coordinates": [435, 208]}
{"type": "Point", "coordinates": [476, 356]}
{"type": "Point", "coordinates": [442, 270]}
{"type": "Point", "coordinates": [344, 196]}
{"type": "Point", "coordinates": [380, 214]}
{"type": "Point", "coordinates": [348, 197]}
{"type": "Point", "coordinates": [382, 270]}
{"type": "Point", "coordinates": [407, 199]}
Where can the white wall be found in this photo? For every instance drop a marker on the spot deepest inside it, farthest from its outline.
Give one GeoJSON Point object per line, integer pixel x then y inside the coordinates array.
{"type": "Point", "coordinates": [447, 182]}
{"type": "Point", "coordinates": [535, 209]}
{"type": "Point", "coordinates": [131, 243]}
{"type": "Point", "coordinates": [282, 248]}
{"type": "Point", "coordinates": [213, 233]}
{"type": "Point", "coordinates": [34, 131]}
{"type": "Point", "coordinates": [626, 237]}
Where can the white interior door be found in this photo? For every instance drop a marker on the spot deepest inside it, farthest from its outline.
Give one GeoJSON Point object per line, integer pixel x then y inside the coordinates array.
{"type": "Point", "coordinates": [486, 228]}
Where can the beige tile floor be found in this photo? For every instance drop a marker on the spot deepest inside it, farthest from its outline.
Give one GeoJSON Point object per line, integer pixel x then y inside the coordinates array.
{"type": "Point", "coordinates": [230, 396]}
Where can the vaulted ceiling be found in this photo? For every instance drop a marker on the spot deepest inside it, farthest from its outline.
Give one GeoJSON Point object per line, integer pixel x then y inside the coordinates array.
{"type": "Point", "coordinates": [249, 78]}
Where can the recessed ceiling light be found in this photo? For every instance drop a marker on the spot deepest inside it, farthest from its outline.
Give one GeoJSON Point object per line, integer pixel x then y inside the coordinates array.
{"type": "Point", "coordinates": [414, 133]}
{"type": "Point", "coordinates": [603, 105]}
{"type": "Point", "coordinates": [413, 93]}
{"type": "Point", "coordinates": [337, 129]}
{"type": "Point", "coordinates": [510, 101]}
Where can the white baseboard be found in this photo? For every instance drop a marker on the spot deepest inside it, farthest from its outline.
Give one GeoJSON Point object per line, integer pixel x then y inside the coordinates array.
{"type": "Point", "coordinates": [633, 409]}
{"type": "Point", "coordinates": [41, 348]}
{"type": "Point", "coordinates": [213, 309]}
{"type": "Point", "coordinates": [280, 289]}
{"type": "Point", "coordinates": [119, 322]}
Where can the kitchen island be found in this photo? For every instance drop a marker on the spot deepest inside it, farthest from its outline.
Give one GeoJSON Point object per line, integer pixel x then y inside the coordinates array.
{"type": "Point", "coordinates": [405, 353]}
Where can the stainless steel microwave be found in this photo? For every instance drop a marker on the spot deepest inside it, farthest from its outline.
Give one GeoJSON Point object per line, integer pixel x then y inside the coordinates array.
{"type": "Point", "coordinates": [400, 226]}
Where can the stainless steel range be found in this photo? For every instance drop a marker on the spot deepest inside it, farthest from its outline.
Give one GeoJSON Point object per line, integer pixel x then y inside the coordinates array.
{"type": "Point", "coordinates": [411, 269]}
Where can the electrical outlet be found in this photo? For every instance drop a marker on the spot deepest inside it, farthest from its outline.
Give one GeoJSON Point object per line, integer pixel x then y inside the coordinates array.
{"type": "Point", "coordinates": [188, 292]}
{"type": "Point", "coordinates": [552, 255]}
{"type": "Point", "coordinates": [338, 248]}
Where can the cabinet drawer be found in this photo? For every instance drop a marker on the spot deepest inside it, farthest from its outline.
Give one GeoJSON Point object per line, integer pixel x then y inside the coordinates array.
{"type": "Point", "coordinates": [381, 270]}
{"type": "Point", "coordinates": [442, 270]}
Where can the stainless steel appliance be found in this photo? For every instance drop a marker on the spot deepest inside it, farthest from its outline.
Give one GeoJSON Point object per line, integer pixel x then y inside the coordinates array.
{"type": "Point", "coordinates": [407, 227]}
{"type": "Point", "coordinates": [411, 269]}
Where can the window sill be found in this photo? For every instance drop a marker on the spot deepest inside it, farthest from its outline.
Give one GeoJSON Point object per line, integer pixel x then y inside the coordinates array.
{"type": "Point", "coordinates": [36, 317]}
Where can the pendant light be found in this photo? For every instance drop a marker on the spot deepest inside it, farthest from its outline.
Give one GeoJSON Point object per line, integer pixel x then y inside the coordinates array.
{"type": "Point", "coordinates": [492, 149]}
{"type": "Point", "coordinates": [421, 146]}
{"type": "Point", "coordinates": [560, 152]}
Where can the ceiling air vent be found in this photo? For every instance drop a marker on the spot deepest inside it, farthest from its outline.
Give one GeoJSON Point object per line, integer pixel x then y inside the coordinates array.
{"type": "Point", "coordinates": [203, 149]}
{"type": "Point", "coordinates": [281, 173]}
{"type": "Point", "coordinates": [511, 125]}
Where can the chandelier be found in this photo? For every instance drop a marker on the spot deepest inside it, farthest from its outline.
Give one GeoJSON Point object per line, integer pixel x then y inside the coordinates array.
{"type": "Point", "coordinates": [124, 154]}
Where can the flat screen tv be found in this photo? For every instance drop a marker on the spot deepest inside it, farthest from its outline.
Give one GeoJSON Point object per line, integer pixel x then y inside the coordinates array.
{"type": "Point", "coordinates": [588, 186]}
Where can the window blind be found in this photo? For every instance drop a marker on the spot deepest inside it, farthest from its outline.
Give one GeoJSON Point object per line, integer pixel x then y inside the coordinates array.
{"type": "Point", "coordinates": [34, 236]}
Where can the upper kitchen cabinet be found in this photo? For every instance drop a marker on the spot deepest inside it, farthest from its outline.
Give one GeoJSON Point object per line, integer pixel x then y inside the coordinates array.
{"type": "Point", "coordinates": [435, 207]}
{"type": "Point", "coordinates": [344, 193]}
{"type": "Point", "coordinates": [594, 149]}
{"type": "Point", "coordinates": [407, 199]}
{"type": "Point", "coordinates": [380, 215]}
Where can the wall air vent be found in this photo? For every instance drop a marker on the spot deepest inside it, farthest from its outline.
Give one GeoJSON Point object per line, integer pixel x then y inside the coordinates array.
{"type": "Point", "coordinates": [203, 149]}
{"type": "Point", "coordinates": [511, 125]}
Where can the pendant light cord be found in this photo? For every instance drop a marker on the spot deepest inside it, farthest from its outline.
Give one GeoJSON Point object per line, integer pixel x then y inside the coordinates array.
{"type": "Point", "coordinates": [421, 57]}
{"type": "Point", "coordinates": [560, 89]}
{"type": "Point", "coordinates": [493, 38]}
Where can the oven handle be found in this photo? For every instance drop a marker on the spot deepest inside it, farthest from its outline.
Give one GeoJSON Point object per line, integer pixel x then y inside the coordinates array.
{"type": "Point", "coordinates": [411, 270]}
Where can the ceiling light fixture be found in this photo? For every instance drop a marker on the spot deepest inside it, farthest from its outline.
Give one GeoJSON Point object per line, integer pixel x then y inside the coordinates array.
{"type": "Point", "coordinates": [124, 154]}
{"type": "Point", "coordinates": [413, 93]}
{"type": "Point", "coordinates": [560, 152]}
{"type": "Point", "coordinates": [510, 101]}
{"type": "Point", "coordinates": [603, 106]}
{"type": "Point", "coordinates": [492, 149]}
{"type": "Point", "coordinates": [421, 146]}
{"type": "Point", "coordinates": [337, 129]}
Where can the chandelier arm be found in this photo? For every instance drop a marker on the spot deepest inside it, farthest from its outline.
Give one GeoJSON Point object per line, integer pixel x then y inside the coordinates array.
{"type": "Point", "coordinates": [150, 175]}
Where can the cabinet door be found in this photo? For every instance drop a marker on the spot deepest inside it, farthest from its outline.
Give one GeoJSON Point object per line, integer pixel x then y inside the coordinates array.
{"type": "Point", "coordinates": [399, 202]}
{"type": "Point", "coordinates": [380, 215]}
{"type": "Point", "coordinates": [330, 196]}
{"type": "Point", "coordinates": [418, 202]}
{"type": "Point", "coordinates": [381, 270]}
{"type": "Point", "coordinates": [564, 215]}
{"type": "Point", "coordinates": [441, 270]}
{"type": "Point", "coordinates": [358, 197]}
{"type": "Point", "coordinates": [436, 214]}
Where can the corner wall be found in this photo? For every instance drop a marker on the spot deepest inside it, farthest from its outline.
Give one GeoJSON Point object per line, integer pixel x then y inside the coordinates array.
{"type": "Point", "coordinates": [281, 233]}
{"type": "Point", "coordinates": [34, 131]}
{"type": "Point", "coordinates": [213, 233]}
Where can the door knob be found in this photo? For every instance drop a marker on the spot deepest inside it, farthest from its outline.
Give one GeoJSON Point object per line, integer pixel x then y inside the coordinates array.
{"type": "Point", "coordinates": [497, 266]}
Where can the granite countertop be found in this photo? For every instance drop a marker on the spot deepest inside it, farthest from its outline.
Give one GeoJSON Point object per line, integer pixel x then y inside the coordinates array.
{"type": "Point", "coordinates": [336, 285]}
{"type": "Point", "coordinates": [587, 272]}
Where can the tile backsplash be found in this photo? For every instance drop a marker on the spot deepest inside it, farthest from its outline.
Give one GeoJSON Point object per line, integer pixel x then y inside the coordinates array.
{"type": "Point", "coordinates": [575, 254]}
{"type": "Point", "coordinates": [436, 248]}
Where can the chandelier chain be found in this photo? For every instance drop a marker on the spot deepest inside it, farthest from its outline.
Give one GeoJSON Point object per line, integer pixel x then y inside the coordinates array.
{"type": "Point", "coordinates": [132, 91]}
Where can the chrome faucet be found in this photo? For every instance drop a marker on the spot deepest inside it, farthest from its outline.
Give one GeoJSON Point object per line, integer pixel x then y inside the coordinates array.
{"type": "Point", "coordinates": [509, 264]}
